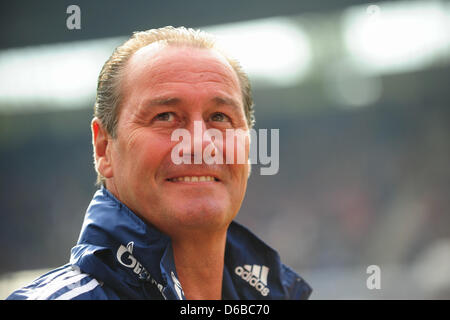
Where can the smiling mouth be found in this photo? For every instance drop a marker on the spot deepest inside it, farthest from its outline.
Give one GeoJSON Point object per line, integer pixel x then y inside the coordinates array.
{"type": "Point", "coordinates": [193, 179]}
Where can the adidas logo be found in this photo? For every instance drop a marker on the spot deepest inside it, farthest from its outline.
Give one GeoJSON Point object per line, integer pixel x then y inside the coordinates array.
{"type": "Point", "coordinates": [256, 276]}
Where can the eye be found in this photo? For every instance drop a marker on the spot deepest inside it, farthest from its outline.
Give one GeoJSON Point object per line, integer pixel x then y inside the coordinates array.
{"type": "Point", "coordinates": [220, 117]}
{"type": "Point", "coordinates": [165, 116]}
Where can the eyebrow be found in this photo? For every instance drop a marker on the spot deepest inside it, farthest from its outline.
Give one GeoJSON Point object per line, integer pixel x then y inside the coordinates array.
{"type": "Point", "coordinates": [163, 102]}
{"type": "Point", "coordinates": [171, 101]}
{"type": "Point", "coordinates": [226, 101]}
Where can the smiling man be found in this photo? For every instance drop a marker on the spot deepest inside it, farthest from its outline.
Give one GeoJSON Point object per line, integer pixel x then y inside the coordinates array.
{"type": "Point", "coordinates": [157, 229]}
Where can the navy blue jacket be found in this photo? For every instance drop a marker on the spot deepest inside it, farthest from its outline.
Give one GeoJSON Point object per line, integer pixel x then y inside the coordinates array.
{"type": "Point", "coordinates": [118, 256]}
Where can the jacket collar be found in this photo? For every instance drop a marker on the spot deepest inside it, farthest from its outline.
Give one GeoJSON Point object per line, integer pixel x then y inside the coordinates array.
{"type": "Point", "coordinates": [136, 259]}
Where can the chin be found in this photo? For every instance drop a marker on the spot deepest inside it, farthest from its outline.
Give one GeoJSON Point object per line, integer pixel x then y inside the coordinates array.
{"type": "Point", "coordinates": [202, 215]}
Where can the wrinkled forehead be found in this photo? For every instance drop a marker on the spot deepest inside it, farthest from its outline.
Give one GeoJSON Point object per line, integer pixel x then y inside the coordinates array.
{"type": "Point", "coordinates": [160, 63]}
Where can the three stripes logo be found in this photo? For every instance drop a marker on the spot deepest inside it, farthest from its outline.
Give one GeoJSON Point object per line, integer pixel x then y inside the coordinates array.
{"type": "Point", "coordinates": [256, 276]}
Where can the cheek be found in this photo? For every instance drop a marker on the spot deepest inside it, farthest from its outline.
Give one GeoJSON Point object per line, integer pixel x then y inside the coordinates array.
{"type": "Point", "coordinates": [143, 153]}
{"type": "Point", "coordinates": [236, 148]}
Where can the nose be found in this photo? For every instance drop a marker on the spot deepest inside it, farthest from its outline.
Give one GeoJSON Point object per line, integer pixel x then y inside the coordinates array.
{"type": "Point", "coordinates": [201, 139]}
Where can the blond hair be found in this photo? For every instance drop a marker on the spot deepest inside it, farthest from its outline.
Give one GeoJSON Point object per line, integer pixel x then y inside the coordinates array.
{"type": "Point", "coordinates": [109, 94]}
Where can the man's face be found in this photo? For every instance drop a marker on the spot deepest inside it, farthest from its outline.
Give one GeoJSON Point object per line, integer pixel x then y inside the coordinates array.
{"type": "Point", "coordinates": [167, 88]}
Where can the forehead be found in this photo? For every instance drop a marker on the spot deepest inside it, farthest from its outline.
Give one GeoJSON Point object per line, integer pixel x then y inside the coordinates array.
{"type": "Point", "coordinates": [159, 66]}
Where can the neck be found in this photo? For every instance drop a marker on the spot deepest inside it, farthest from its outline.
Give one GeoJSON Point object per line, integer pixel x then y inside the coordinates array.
{"type": "Point", "coordinates": [199, 262]}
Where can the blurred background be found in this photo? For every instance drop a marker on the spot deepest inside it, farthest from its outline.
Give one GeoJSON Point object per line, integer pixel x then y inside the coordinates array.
{"type": "Point", "coordinates": [359, 91]}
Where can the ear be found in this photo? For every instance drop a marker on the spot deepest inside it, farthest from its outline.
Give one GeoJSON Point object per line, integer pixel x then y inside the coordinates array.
{"type": "Point", "coordinates": [102, 146]}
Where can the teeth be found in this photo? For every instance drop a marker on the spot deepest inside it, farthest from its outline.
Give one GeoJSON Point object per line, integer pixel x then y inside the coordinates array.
{"type": "Point", "coordinates": [194, 179]}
